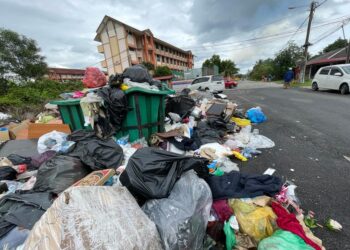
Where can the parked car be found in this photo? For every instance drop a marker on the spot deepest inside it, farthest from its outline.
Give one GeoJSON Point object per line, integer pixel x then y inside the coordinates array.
{"type": "Point", "coordinates": [211, 83]}
{"type": "Point", "coordinates": [333, 77]}
{"type": "Point", "coordinates": [229, 84]}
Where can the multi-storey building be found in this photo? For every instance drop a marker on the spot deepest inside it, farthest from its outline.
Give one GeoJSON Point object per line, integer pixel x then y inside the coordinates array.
{"type": "Point", "coordinates": [123, 46]}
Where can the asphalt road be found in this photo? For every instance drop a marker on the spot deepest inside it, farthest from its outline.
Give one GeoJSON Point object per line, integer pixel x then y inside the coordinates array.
{"type": "Point", "coordinates": [312, 135]}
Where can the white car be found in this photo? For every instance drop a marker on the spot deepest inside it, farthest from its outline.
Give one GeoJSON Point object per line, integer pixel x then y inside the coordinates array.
{"type": "Point", "coordinates": [333, 77]}
{"type": "Point", "coordinates": [213, 83]}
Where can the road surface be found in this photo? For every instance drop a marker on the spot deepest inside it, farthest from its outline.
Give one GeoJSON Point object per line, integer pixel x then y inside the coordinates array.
{"type": "Point", "coordinates": [312, 135]}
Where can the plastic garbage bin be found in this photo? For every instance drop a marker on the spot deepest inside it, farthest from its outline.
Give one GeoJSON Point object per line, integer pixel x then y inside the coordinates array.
{"type": "Point", "coordinates": [146, 113]}
{"type": "Point", "coordinates": [71, 113]}
{"type": "Point", "coordinates": [145, 116]}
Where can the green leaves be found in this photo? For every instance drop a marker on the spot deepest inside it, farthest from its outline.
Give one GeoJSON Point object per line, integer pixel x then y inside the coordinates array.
{"type": "Point", "coordinates": [226, 67]}
{"type": "Point", "coordinates": [19, 55]}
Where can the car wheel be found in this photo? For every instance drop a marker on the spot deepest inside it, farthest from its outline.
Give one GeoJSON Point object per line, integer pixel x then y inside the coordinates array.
{"type": "Point", "coordinates": [206, 89]}
{"type": "Point", "coordinates": [314, 86]}
{"type": "Point", "coordinates": [344, 89]}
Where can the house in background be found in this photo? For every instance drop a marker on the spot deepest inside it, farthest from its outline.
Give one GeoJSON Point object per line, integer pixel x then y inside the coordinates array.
{"type": "Point", "coordinates": [123, 46]}
{"type": "Point", "coordinates": [65, 75]}
{"type": "Point", "coordinates": [337, 56]}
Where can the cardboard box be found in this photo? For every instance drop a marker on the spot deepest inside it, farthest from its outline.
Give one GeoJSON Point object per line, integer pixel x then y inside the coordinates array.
{"type": "Point", "coordinates": [4, 134]}
{"type": "Point", "coordinates": [35, 130]}
{"type": "Point", "coordinates": [19, 130]}
{"type": "Point", "coordinates": [96, 178]}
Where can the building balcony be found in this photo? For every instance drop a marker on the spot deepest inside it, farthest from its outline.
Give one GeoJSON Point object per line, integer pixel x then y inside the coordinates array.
{"type": "Point", "coordinates": [104, 64]}
{"type": "Point", "coordinates": [132, 45]}
{"type": "Point", "coordinates": [100, 48]}
{"type": "Point", "coordinates": [134, 61]}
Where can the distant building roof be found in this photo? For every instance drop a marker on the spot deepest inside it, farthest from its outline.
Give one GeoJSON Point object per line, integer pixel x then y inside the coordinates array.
{"type": "Point", "coordinates": [65, 71]}
{"type": "Point", "coordinates": [337, 55]}
{"type": "Point", "coordinates": [169, 77]}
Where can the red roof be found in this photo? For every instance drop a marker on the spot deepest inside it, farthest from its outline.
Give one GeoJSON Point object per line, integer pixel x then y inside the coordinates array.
{"type": "Point", "coordinates": [169, 77]}
{"type": "Point", "coordinates": [337, 55]}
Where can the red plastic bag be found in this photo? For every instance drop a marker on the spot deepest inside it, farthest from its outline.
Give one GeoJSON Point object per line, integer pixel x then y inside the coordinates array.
{"type": "Point", "coordinates": [94, 78]}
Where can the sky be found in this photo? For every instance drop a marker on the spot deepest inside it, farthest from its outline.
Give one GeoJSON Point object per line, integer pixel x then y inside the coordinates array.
{"type": "Point", "coordinates": [233, 29]}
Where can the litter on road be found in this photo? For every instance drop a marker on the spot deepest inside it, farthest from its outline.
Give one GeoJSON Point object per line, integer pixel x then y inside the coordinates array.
{"type": "Point", "coordinates": [132, 165]}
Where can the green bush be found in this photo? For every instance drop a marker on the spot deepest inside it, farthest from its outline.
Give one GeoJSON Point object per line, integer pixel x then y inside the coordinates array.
{"type": "Point", "coordinates": [33, 95]}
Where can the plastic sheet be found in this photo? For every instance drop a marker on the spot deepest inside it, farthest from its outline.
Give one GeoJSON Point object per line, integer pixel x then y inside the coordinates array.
{"type": "Point", "coordinates": [56, 141]}
{"type": "Point", "coordinates": [152, 173]}
{"type": "Point", "coordinates": [257, 222]}
{"type": "Point", "coordinates": [283, 240]}
{"type": "Point", "coordinates": [94, 218]}
{"type": "Point", "coordinates": [245, 138]}
{"type": "Point", "coordinates": [182, 219]}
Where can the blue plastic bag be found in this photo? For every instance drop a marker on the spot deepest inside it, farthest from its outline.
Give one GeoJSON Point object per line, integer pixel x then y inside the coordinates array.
{"type": "Point", "coordinates": [255, 115]}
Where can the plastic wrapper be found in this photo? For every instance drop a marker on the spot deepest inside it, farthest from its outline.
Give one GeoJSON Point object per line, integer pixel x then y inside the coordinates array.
{"type": "Point", "coordinates": [257, 222]}
{"type": "Point", "coordinates": [94, 218]}
{"type": "Point", "coordinates": [245, 138]}
{"type": "Point", "coordinates": [94, 78]}
{"type": "Point", "coordinates": [283, 240]}
{"type": "Point", "coordinates": [182, 219]}
{"type": "Point", "coordinates": [56, 141]}
{"type": "Point", "coordinates": [227, 165]}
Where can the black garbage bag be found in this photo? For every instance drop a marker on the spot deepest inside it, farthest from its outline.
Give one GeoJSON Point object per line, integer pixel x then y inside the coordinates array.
{"type": "Point", "coordinates": [181, 105]}
{"type": "Point", "coordinates": [204, 134]}
{"type": "Point", "coordinates": [151, 173]}
{"type": "Point", "coordinates": [94, 152]}
{"type": "Point", "coordinates": [138, 73]}
{"type": "Point", "coordinates": [18, 159]}
{"type": "Point", "coordinates": [59, 173]}
{"type": "Point", "coordinates": [115, 105]}
{"type": "Point", "coordinates": [7, 173]}
{"type": "Point", "coordinates": [220, 124]}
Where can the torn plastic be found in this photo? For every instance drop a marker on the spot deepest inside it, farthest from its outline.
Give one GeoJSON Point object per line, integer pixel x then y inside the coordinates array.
{"type": "Point", "coordinates": [56, 141]}
{"type": "Point", "coordinates": [94, 217]}
{"type": "Point", "coordinates": [245, 138]}
{"type": "Point", "coordinates": [227, 165]}
{"type": "Point", "coordinates": [182, 219]}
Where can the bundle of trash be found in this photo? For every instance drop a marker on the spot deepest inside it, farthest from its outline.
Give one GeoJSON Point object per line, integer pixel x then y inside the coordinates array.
{"type": "Point", "coordinates": [178, 188]}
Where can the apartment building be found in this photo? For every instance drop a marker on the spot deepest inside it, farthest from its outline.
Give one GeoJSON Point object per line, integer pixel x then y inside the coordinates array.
{"type": "Point", "coordinates": [123, 46]}
{"type": "Point", "coordinates": [63, 74]}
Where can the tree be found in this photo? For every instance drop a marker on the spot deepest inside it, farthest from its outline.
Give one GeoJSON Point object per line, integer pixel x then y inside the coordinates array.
{"type": "Point", "coordinates": [287, 58]}
{"type": "Point", "coordinates": [162, 71]}
{"type": "Point", "coordinates": [337, 44]}
{"type": "Point", "coordinates": [19, 55]}
{"type": "Point", "coordinates": [148, 65]}
{"type": "Point", "coordinates": [226, 67]}
{"type": "Point", "coordinates": [262, 68]}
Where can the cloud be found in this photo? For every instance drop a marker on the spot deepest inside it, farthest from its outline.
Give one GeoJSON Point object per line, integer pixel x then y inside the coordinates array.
{"type": "Point", "coordinates": [65, 29]}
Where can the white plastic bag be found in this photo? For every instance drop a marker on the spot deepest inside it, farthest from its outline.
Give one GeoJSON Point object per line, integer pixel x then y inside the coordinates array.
{"type": "Point", "coordinates": [54, 140]}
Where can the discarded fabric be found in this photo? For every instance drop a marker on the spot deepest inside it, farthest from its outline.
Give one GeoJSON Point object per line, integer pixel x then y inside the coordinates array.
{"type": "Point", "coordinates": [239, 185]}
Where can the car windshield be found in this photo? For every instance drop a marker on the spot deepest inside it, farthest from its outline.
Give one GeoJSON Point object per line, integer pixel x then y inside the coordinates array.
{"type": "Point", "coordinates": [346, 69]}
{"type": "Point", "coordinates": [218, 78]}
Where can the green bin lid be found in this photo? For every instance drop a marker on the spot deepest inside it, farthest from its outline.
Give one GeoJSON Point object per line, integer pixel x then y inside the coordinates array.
{"type": "Point", "coordinates": [66, 102]}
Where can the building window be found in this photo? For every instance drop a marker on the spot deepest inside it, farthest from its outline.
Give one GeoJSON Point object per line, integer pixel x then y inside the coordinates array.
{"type": "Point", "coordinates": [163, 59]}
{"type": "Point", "coordinates": [157, 47]}
{"type": "Point", "coordinates": [158, 58]}
{"type": "Point", "coordinates": [167, 60]}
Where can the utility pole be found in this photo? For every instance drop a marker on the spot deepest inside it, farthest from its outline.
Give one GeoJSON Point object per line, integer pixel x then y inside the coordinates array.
{"type": "Point", "coordinates": [348, 53]}
{"type": "Point", "coordinates": [307, 43]}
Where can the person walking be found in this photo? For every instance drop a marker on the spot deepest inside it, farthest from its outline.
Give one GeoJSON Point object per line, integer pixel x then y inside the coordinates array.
{"type": "Point", "coordinates": [288, 77]}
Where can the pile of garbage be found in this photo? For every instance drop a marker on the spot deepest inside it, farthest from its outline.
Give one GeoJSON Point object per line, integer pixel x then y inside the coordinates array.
{"type": "Point", "coordinates": [179, 188]}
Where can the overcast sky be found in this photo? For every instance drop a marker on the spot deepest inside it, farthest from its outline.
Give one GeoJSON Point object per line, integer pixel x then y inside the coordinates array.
{"type": "Point", "coordinates": [64, 29]}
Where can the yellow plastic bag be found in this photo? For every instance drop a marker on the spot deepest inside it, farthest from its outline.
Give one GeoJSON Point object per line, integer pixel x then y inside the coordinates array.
{"type": "Point", "coordinates": [257, 222]}
{"type": "Point", "coordinates": [241, 122]}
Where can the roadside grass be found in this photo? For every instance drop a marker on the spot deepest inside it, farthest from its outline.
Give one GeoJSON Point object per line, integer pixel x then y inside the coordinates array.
{"type": "Point", "coordinates": [307, 83]}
